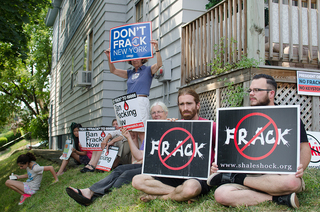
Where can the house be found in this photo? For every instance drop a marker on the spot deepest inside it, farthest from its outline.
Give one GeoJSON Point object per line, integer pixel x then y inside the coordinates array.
{"type": "Point", "coordinates": [284, 36]}
{"type": "Point", "coordinates": [82, 87]}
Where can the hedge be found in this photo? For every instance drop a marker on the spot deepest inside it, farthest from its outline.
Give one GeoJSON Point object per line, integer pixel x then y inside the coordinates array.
{"type": "Point", "coordinates": [10, 135]}
{"type": "Point", "coordinates": [3, 141]}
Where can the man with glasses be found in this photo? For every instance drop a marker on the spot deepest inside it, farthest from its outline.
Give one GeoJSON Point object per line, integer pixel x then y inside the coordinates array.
{"type": "Point", "coordinates": [251, 189]}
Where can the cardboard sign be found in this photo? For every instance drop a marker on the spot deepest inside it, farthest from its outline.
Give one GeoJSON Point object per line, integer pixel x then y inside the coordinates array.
{"type": "Point", "coordinates": [308, 83]}
{"type": "Point", "coordinates": [90, 138]}
{"type": "Point", "coordinates": [131, 41]}
{"type": "Point", "coordinates": [258, 139]}
{"type": "Point", "coordinates": [127, 111]}
{"type": "Point", "coordinates": [180, 149]}
{"type": "Point", "coordinates": [107, 158]}
{"type": "Point", "coordinates": [67, 150]}
{"type": "Point", "coordinates": [314, 143]}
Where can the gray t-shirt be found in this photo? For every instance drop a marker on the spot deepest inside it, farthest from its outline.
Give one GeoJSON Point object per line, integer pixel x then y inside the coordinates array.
{"type": "Point", "coordinates": [34, 176]}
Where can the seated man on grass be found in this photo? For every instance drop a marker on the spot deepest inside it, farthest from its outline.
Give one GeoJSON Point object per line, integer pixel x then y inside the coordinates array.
{"type": "Point", "coordinates": [171, 188]}
{"type": "Point", "coordinates": [252, 189]}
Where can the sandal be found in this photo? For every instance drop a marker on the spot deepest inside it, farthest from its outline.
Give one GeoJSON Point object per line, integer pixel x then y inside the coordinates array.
{"type": "Point", "coordinates": [78, 197]}
{"type": "Point", "coordinates": [85, 169]}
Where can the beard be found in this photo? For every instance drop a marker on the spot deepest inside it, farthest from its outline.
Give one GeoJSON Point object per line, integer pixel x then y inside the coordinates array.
{"type": "Point", "coordinates": [187, 114]}
{"type": "Point", "coordinates": [263, 102]}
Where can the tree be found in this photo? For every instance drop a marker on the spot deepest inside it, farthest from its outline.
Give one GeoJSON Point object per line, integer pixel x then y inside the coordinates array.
{"type": "Point", "coordinates": [212, 3]}
{"type": "Point", "coordinates": [24, 81]}
{"type": "Point", "coordinates": [14, 14]}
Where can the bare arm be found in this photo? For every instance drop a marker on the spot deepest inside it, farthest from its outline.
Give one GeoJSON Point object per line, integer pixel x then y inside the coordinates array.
{"type": "Point", "coordinates": [50, 168]}
{"type": "Point", "coordinates": [113, 141]}
{"type": "Point", "coordinates": [305, 156]}
{"type": "Point", "coordinates": [136, 153]}
{"type": "Point", "coordinates": [119, 72]}
{"type": "Point", "coordinates": [105, 141]}
{"type": "Point", "coordinates": [156, 66]}
{"type": "Point", "coordinates": [22, 176]}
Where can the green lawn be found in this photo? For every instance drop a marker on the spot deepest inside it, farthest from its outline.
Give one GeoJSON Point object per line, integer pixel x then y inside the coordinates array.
{"type": "Point", "coordinates": [52, 197]}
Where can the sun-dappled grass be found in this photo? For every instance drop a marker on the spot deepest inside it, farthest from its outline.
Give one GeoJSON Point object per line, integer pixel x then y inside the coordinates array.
{"type": "Point", "coordinates": [53, 197]}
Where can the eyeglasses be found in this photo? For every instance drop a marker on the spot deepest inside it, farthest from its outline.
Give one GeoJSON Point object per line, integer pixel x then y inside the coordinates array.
{"type": "Point", "coordinates": [255, 90]}
{"type": "Point", "coordinates": [157, 112]}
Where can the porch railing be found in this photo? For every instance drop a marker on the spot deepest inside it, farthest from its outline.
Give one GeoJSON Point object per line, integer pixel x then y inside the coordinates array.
{"type": "Point", "coordinates": [289, 34]}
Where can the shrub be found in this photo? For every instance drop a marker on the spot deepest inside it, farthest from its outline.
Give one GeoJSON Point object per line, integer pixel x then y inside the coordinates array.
{"type": "Point", "coordinates": [3, 141]}
{"type": "Point", "coordinates": [11, 135]}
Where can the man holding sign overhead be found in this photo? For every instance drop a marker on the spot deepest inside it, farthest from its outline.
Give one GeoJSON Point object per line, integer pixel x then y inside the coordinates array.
{"type": "Point", "coordinates": [130, 39]}
{"type": "Point", "coordinates": [250, 189]}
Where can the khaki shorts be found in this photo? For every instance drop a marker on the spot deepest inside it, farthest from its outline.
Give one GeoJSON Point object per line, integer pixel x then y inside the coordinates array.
{"type": "Point", "coordinates": [124, 152]}
{"type": "Point", "coordinates": [242, 187]}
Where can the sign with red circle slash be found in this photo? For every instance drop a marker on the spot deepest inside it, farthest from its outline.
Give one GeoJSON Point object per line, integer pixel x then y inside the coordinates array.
{"type": "Point", "coordinates": [261, 139]}
{"type": "Point", "coordinates": [180, 149]}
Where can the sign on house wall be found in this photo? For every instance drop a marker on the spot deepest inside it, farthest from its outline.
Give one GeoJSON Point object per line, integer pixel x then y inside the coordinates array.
{"type": "Point", "coordinates": [308, 83]}
{"type": "Point", "coordinates": [258, 139]}
{"type": "Point", "coordinates": [180, 149]}
{"type": "Point", "coordinates": [131, 41]}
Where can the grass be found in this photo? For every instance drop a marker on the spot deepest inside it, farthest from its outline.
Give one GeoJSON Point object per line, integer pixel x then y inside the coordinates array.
{"type": "Point", "coordinates": [19, 145]}
{"type": "Point", "coordinates": [52, 196]}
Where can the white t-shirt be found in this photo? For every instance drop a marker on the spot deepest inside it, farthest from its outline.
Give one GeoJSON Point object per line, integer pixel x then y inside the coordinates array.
{"type": "Point", "coordinates": [34, 176]}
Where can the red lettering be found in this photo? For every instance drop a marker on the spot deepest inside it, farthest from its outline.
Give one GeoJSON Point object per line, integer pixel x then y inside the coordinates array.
{"type": "Point", "coordinates": [315, 150]}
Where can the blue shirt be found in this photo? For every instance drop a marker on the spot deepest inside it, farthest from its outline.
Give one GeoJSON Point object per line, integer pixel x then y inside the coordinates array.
{"type": "Point", "coordinates": [140, 81]}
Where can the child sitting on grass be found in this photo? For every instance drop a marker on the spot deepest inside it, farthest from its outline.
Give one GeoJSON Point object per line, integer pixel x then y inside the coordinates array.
{"type": "Point", "coordinates": [34, 175]}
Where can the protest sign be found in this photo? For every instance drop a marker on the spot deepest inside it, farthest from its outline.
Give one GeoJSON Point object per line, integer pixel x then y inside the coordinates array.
{"type": "Point", "coordinates": [308, 83]}
{"type": "Point", "coordinates": [90, 138]}
{"type": "Point", "coordinates": [131, 41]}
{"type": "Point", "coordinates": [180, 149]}
{"type": "Point", "coordinates": [67, 150]}
{"type": "Point", "coordinates": [314, 143]}
{"type": "Point", "coordinates": [107, 158]}
{"type": "Point", "coordinates": [127, 111]}
{"type": "Point", "coordinates": [258, 139]}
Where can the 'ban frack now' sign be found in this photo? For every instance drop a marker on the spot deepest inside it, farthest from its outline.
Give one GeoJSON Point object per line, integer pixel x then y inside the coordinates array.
{"type": "Point", "coordinates": [90, 138]}
{"type": "Point", "coordinates": [131, 41]}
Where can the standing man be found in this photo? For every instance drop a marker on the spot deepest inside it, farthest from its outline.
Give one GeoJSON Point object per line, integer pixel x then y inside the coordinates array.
{"type": "Point", "coordinates": [171, 188]}
{"type": "Point", "coordinates": [252, 189]}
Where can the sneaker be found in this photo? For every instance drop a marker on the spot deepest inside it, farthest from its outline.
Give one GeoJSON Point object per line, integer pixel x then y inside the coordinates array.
{"type": "Point", "coordinates": [217, 179]}
{"type": "Point", "coordinates": [290, 200]}
{"type": "Point", "coordinates": [23, 198]}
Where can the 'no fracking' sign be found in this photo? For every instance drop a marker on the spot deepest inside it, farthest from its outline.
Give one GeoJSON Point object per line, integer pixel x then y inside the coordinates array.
{"type": "Point", "coordinates": [258, 139]}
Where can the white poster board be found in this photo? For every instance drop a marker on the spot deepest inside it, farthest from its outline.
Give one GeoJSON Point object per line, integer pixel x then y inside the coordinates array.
{"type": "Point", "coordinates": [127, 111]}
{"type": "Point", "coordinates": [314, 143]}
{"type": "Point", "coordinates": [90, 138]}
{"type": "Point", "coordinates": [67, 150]}
{"type": "Point", "coordinates": [107, 158]}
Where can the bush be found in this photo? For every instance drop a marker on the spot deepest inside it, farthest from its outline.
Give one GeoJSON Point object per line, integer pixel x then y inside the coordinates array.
{"type": "Point", "coordinates": [11, 136]}
{"type": "Point", "coordinates": [3, 141]}
{"type": "Point", "coordinates": [39, 127]}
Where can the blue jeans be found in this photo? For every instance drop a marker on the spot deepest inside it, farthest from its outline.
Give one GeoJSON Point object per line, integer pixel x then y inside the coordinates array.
{"type": "Point", "coordinates": [121, 175]}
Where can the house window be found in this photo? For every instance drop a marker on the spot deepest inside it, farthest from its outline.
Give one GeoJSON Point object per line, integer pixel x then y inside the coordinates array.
{"type": "Point", "coordinates": [61, 83]}
{"type": "Point", "coordinates": [88, 46]}
{"type": "Point", "coordinates": [64, 17]}
{"type": "Point", "coordinates": [72, 73]}
{"type": "Point", "coordinates": [139, 11]}
{"type": "Point", "coordinates": [85, 54]}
